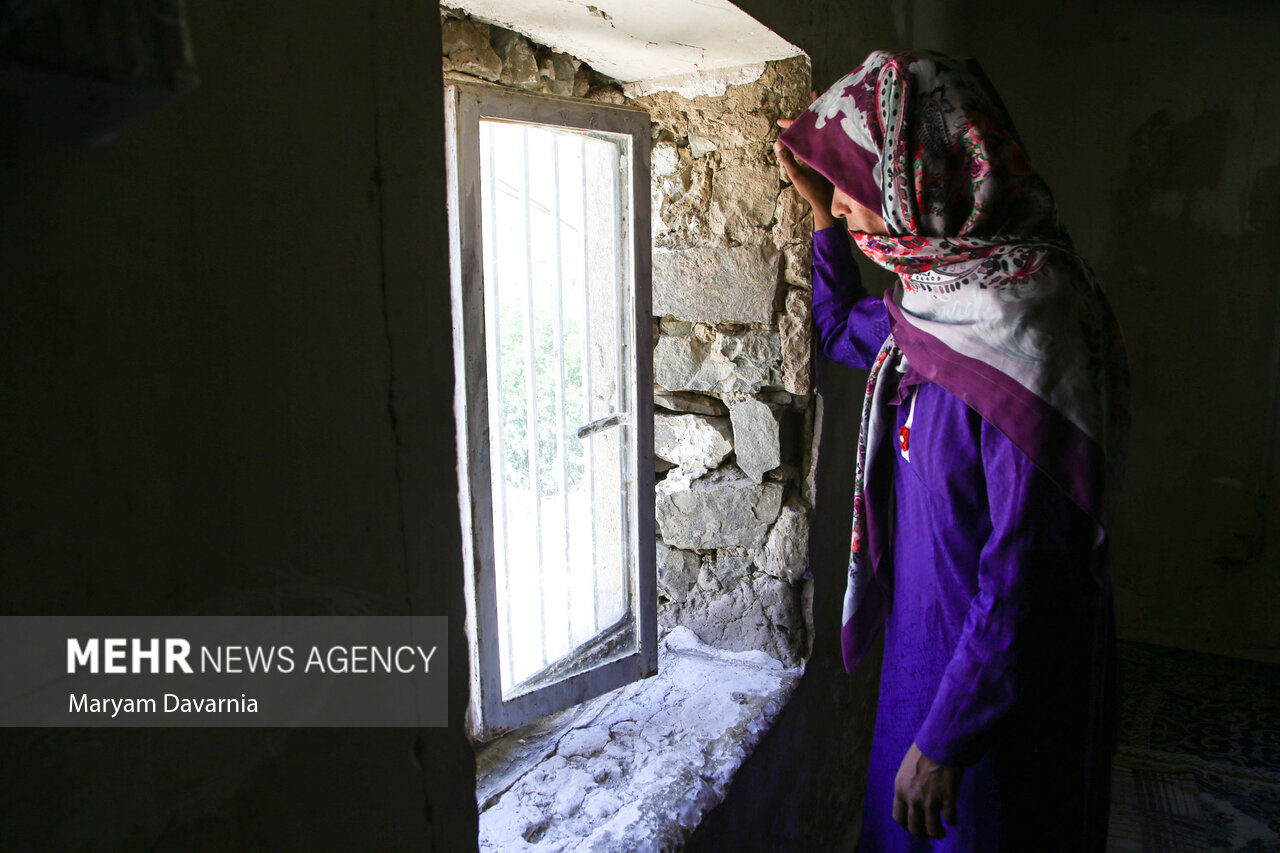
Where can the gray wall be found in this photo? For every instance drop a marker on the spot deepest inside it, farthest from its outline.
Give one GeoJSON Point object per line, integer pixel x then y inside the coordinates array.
{"type": "Point", "coordinates": [1158, 126]}
{"type": "Point", "coordinates": [225, 384]}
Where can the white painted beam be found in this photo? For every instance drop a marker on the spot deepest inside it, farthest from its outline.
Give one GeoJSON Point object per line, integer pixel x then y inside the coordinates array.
{"type": "Point", "coordinates": [632, 41]}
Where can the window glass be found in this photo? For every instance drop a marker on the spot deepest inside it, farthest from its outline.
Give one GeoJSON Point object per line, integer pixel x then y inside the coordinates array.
{"type": "Point", "coordinates": [558, 396]}
{"type": "Point", "coordinates": [549, 228]}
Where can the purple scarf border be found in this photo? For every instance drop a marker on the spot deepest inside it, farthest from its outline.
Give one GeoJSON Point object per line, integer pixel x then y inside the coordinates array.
{"type": "Point", "coordinates": [1057, 446]}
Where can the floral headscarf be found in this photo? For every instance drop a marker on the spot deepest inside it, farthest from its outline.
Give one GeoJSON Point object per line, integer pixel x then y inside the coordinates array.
{"type": "Point", "coordinates": [991, 303]}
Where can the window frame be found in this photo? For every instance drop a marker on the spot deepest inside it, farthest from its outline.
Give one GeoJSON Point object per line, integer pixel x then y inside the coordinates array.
{"type": "Point", "coordinates": [465, 105]}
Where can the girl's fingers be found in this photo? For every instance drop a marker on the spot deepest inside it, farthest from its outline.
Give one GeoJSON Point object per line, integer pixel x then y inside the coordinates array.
{"type": "Point", "coordinates": [795, 171]}
{"type": "Point", "coordinates": [787, 159]}
{"type": "Point", "coordinates": [796, 168]}
{"type": "Point", "coordinates": [916, 820]}
{"type": "Point", "coordinates": [933, 823]}
{"type": "Point", "coordinates": [900, 812]}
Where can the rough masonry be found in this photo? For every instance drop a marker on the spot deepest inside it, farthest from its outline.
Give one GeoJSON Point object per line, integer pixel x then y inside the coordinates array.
{"type": "Point", "coordinates": [731, 296]}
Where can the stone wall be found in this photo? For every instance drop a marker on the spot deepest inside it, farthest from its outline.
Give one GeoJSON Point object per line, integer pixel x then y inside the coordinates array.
{"type": "Point", "coordinates": [733, 421]}
{"type": "Point", "coordinates": [475, 49]}
{"type": "Point", "coordinates": [731, 361]}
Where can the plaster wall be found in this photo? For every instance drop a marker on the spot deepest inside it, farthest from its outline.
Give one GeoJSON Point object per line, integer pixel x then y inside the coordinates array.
{"type": "Point", "coordinates": [632, 41]}
{"type": "Point", "coordinates": [226, 366]}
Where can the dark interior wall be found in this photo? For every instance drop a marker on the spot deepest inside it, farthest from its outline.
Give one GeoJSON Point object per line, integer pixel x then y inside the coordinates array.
{"type": "Point", "coordinates": [1159, 131]}
{"type": "Point", "coordinates": [1158, 126]}
{"type": "Point", "coordinates": [225, 384]}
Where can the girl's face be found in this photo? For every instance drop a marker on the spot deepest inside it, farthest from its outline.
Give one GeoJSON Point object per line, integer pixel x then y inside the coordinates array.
{"type": "Point", "coordinates": [856, 217]}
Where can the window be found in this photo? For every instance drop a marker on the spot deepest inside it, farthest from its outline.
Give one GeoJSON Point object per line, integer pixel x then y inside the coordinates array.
{"type": "Point", "coordinates": [553, 342]}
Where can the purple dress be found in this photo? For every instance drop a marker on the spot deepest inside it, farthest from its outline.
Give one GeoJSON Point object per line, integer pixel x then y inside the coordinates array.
{"type": "Point", "coordinates": [995, 656]}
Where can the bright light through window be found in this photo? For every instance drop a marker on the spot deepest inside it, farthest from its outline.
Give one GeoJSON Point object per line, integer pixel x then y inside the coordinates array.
{"type": "Point", "coordinates": [555, 358]}
{"type": "Point", "coordinates": [553, 340]}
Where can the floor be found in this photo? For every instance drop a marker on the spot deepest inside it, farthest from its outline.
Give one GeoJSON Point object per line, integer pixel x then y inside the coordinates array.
{"type": "Point", "coordinates": [1198, 760]}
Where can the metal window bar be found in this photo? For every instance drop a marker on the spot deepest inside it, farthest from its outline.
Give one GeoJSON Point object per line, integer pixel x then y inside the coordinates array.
{"type": "Point", "coordinates": [561, 450]}
{"type": "Point", "coordinates": [531, 393]}
{"type": "Point", "coordinates": [493, 341]}
{"type": "Point", "coordinates": [588, 414]}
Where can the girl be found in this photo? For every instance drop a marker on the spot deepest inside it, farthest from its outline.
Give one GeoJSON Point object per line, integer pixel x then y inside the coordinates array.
{"type": "Point", "coordinates": [992, 429]}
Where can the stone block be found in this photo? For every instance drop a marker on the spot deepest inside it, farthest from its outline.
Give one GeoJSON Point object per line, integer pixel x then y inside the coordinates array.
{"type": "Point", "coordinates": [519, 62]}
{"type": "Point", "coordinates": [757, 613]}
{"type": "Point", "coordinates": [725, 509]}
{"type": "Point", "coordinates": [694, 443]}
{"type": "Point", "coordinates": [793, 218]}
{"type": "Point", "coordinates": [559, 72]}
{"type": "Point", "coordinates": [670, 326]}
{"type": "Point", "coordinates": [755, 438]}
{"type": "Point", "coordinates": [677, 571]}
{"type": "Point", "coordinates": [697, 404]}
{"type": "Point", "coordinates": [812, 429]}
{"type": "Point", "coordinates": [796, 330]}
{"type": "Point", "coordinates": [734, 285]}
{"type": "Point", "coordinates": [730, 569]}
{"type": "Point", "coordinates": [743, 199]}
{"type": "Point", "coordinates": [664, 159]}
{"type": "Point", "coordinates": [776, 398]}
{"type": "Point", "coordinates": [606, 94]}
{"type": "Point", "coordinates": [785, 554]}
{"type": "Point", "coordinates": [467, 49]}
{"type": "Point", "coordinates": [729, 363]}
{"type": "Point", "coordinates": [687, 198]}
{"type": "Point", "coordinates": [797, 264]}
{"type": "Point", "coordinates": [582, 81]}
{"type": "Point", "coordinates": [699, 145]}
{"type": "Point", "coordinates": [728, 127]}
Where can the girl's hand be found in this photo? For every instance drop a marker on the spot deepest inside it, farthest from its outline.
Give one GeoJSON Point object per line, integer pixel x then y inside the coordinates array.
{"type": "Point", "coordinates": [924, 795]}
{"type": "Point", "coordinates": [811, 185]}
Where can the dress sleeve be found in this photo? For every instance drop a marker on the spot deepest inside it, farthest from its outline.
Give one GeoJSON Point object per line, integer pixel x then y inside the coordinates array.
{"type": "Point", "coordinates": [851, 325]}
{"type": "Point", "coordinates": [1028, 571]}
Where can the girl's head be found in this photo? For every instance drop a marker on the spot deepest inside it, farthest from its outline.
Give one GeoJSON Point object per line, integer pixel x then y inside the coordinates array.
{"type": "Point", "coordinates": [924, 141]}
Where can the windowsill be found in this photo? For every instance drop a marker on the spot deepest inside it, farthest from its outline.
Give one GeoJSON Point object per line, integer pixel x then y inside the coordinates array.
{"type": "Point", "coordinates": [637, 768]}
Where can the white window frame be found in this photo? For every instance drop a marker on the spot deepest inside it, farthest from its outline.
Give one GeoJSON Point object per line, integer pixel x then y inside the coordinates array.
{"type": "Point", "coordinates": [465, 106]}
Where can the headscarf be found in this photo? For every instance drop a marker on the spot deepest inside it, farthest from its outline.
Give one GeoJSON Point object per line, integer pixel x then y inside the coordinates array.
{"type": "Point", "coordinates": [991, 302]}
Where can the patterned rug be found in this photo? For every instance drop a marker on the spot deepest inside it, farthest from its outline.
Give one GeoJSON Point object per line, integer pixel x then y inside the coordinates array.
{"type": "Point", "coordinates": [1198, 768]}
{"type": "Point", "coordinates": [1154, 810]}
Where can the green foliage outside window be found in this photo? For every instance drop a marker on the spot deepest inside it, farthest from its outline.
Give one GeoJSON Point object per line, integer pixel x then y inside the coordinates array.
{"type": "Point", "coordinates": [515, 404]}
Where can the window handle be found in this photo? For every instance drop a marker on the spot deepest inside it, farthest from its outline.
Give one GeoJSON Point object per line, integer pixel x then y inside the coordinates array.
{"type": "Point", "coordinates": [602, 424]}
